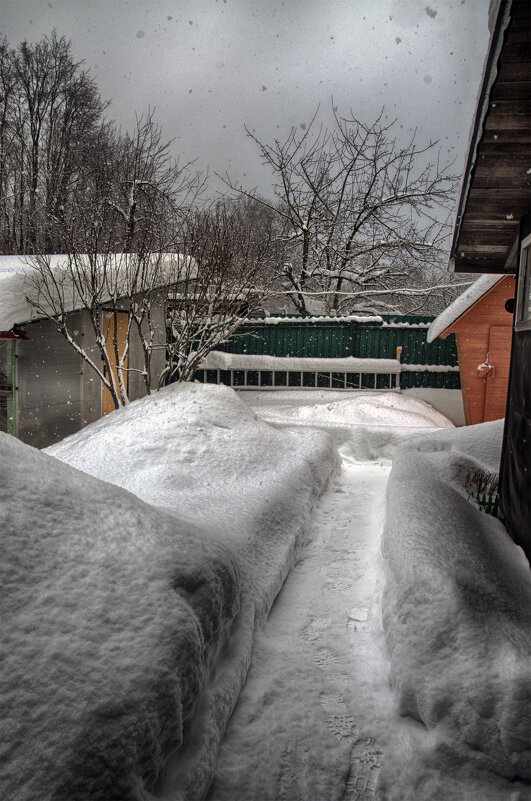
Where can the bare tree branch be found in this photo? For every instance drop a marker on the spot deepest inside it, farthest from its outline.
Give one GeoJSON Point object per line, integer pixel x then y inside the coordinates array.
{"type": "Point", "coordinates": [357, 210]}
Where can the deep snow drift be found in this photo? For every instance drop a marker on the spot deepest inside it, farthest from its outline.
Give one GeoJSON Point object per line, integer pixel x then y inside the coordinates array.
{"type": "Point", "coordinates": [128, 626]}
{"type": "Point", "coordinates": [369, 425]}
{"type": "Point", "coordinates": [457, 606]}
{"type": "Point", "coordinates": [112, 612]}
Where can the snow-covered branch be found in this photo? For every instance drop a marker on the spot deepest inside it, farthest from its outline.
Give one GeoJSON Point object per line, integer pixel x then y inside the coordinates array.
{"type": "Point", "coordinates": [350, 201]}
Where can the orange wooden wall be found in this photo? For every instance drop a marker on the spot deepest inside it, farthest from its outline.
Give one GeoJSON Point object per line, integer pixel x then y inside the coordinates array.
{"type": "Point", "coordinates": [121, 319]}
{"type": "Point", "coordinates": [485, 331]}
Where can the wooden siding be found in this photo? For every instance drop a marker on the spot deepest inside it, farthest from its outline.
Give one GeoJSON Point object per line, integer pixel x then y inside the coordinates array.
{"type": "Point", "coordinates": [500, 182]}
{"type": "Point", "coordinates": [483, 333]}
{"type": "Point", "coordinates": [121, 318]}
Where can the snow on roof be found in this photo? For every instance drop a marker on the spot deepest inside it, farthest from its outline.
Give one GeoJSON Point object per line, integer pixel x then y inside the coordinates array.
{"type": "Point", "coordinates": [19, 292]}
{"type": "Point", "coordinates": [461, 304]}
{"type": "Point", "coordinates": [323, 318]}
{"type": "Point", "coordinates": [217, 360]}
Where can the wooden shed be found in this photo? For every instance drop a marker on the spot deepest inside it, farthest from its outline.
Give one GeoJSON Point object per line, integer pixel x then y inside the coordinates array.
{"type": "Point", "coordinates": [481, 319]}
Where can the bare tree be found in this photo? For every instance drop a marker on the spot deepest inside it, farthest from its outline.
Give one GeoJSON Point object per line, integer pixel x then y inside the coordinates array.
{"type": "Point", "coordinates": [7, 135]}
{"type": "Point", "coordinates": [201, 293]}
{"type": "Point", "coordinates": [117, 235]}
{"type": "Point", "coordinates": [150, 187]}
{"type": "Point", "coordinates": [205, 293]}
{"type": "Point", "coordinates": [50, 112]}
{"type": "Point", "coordinates": [230, 249]}
{"type": "Point", "coordinates": [89, 283]}
{"type": "Point", "coordinates": [363, 217]}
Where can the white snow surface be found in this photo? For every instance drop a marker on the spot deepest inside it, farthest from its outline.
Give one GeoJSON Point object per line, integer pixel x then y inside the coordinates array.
{"type": "Point", "coordinates": [385, 324]}
{"type": "Point", "coordinates": [129, 618]}
{"type": "Point", "coordinates": [429, 368]}
{"type": "Point", "coordinates": [457, 607]}
{"type": "Point", "coordinates": [461, 304]}
{"type": "Point", "coordinates": [112, 613]}
{"type": "Point", "coordinates": [369, 424]}
{"type": "Point", "coordinates": [311, 719]}
{"type": "Point", "coordinates": [14, 308]}
{"type": "Point", "coordinates": [317, 718]}
{"type": "Point", "coordinates": [218, 360]}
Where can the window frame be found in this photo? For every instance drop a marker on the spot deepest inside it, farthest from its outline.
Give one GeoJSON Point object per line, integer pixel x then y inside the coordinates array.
{"type": "Point", "coordinates": [523, 307]}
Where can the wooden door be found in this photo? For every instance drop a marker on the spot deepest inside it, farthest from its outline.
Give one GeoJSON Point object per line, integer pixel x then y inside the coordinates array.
{"type": "Point", "coordinates": [110, 319]}
{"type": "Point", "coordinates": [498, 378]}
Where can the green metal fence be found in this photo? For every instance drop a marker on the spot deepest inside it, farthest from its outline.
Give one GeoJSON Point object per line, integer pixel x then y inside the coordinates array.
{"type": "Point", "coordinates": [375, 340]}
{"type": "Point", "coordinates": [488, 503]}
{"type": "Point", "coordinates": [319, 340]}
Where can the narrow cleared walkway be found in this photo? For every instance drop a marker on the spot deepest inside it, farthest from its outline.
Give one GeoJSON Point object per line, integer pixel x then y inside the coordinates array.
{"type": "Point", "coordinates": [310, 721]}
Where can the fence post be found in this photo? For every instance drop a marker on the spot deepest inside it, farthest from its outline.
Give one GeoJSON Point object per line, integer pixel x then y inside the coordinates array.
{"type": "Point", "coordinates": [352, 339]}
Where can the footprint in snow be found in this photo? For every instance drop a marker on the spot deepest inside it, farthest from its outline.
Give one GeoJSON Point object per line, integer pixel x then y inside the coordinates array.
{"type": "Point", "coordinates": [364, 769]}
{"type": "Point", "coordinates": [292, 784]}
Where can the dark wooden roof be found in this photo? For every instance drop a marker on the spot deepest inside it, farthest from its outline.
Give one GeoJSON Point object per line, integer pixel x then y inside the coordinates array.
{"type": "Point", "coordinates": [496, 188]}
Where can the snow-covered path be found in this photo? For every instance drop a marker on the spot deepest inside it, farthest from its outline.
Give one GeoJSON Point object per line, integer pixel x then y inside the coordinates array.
{"type": "Point", "coordinates": [317, 719]}
{"type": "Point", "coordinates": [308, 721]}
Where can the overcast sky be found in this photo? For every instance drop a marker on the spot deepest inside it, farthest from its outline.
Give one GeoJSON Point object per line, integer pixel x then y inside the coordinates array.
{"type": "Point", "coordinates": [211, 66]}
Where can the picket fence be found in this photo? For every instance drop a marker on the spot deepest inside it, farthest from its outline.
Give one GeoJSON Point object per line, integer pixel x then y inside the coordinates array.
{"type": "Point", "coordinates": [487, 503]}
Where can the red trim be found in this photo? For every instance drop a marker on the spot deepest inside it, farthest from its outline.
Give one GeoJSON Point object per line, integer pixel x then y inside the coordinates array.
{"type": "Point", "coordinates": [13, 335]}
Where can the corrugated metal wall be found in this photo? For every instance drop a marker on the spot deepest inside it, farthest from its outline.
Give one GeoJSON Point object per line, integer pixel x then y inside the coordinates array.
{"type": "Point", "coordinates": [49, 386]}
{"type": "Point", "coordinates": [319, 340]}
{"type": "Point", "coordinates": [364, 340]}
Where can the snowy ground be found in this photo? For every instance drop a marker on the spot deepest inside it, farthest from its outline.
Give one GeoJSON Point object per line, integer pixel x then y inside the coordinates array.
{"type": "Point", "coordinates": [136, 594]}
{"type": "Point", "coordinates": [317, 718]}
{"type": "Point", "coordinates": [457, 615]}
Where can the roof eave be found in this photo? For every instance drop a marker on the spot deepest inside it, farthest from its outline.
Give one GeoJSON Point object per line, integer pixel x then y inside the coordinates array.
{"type": "Point", "coordinates": [489, 76]}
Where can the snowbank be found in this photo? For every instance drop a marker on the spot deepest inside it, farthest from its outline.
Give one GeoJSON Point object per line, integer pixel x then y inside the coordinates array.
{"type": "Point", "coordinates": [112, 613]}
{"type": "Point", "coordinates": [130, 626]}
{"type": "Point", "coordinates": [457, 605]}
{"type": "Point", "coordinates": [370, 425]}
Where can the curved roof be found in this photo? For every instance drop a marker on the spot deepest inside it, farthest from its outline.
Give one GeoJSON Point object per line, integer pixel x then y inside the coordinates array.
{"type": "Point", "coordinates": [116, 277]}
